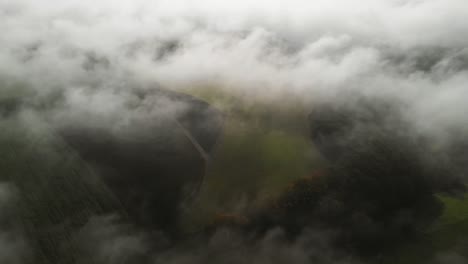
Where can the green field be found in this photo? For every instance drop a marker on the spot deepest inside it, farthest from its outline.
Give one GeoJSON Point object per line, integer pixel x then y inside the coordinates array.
{"type": "Point", "coordinates": [274, 151]}
{"type": "Point", "coordinates": [264, 148]}
{"type": "Point", "coordinates": [446, 237]}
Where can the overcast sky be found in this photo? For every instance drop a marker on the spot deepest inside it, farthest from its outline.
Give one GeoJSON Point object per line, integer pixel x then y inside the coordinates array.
{"type": "Point", "coordinates": [410, 49]}
{"type": "Point", "coordinates": [95, 51]}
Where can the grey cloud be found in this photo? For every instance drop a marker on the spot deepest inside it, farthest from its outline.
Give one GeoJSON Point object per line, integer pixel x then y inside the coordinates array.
{"type": "Point", "coordinates": [87, 63]}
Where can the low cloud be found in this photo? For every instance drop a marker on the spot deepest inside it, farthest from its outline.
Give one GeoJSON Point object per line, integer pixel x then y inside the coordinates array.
{"type": "Point", "coordinates": [105, 65]}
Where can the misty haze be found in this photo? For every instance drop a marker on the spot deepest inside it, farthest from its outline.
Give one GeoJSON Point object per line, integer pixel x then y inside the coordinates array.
{"type": "Point", "coordinates": [246, 132]}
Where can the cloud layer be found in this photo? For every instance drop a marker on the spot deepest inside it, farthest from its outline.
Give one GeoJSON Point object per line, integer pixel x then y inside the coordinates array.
{"type": "Point", "coordinates": [73, 59]}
